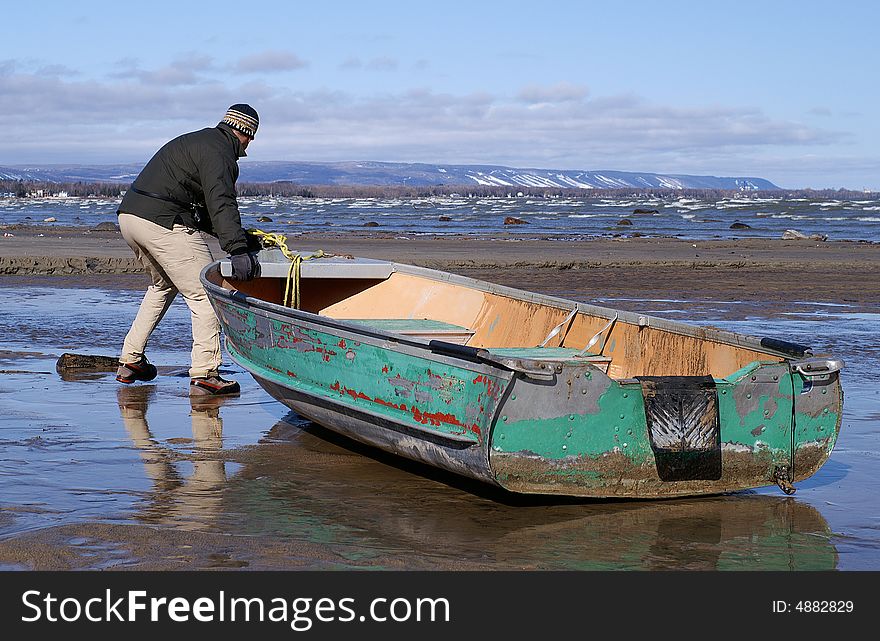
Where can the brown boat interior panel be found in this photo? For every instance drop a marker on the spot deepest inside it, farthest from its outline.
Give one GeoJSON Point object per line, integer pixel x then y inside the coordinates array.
{"type": "Point", "coordinates": [493, 320]}
{"type": "Point", "coordinates": [315, 294]}
{"type": "Point", "coordinates": [499, 321]}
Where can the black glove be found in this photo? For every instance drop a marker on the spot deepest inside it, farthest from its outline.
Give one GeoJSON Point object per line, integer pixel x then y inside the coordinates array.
{"type": "Point", "coordinates": [245, 266]}
{"type": "Point", "coordinates": [254, 244]}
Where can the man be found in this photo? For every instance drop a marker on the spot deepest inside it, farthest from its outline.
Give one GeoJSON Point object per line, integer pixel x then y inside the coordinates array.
{"type": "Point", "coordinates": [185, 191]}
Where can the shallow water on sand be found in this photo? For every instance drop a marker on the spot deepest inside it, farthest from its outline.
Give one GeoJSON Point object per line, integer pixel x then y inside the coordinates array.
{"type": "Point", "coordinates": [98, 475]}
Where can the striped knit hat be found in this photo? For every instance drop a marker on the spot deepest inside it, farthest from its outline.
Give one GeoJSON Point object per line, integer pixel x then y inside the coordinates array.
{"type": "Point", "coordinates": [243, 118]}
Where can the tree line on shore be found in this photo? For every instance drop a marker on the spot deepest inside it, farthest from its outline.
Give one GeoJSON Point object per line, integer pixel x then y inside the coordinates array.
{"type": "Point", "coordinates": [36, 188]}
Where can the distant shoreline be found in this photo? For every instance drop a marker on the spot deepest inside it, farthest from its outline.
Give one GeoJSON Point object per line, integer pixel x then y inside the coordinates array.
{"type": "Point", "coordinates": [756, 270]}
{"type": "Point", "coordinates": [292, 189]}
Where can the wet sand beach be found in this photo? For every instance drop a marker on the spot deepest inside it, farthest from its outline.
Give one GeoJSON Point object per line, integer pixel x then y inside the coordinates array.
{"type": "Point", "coordinates": [94, 475]}
{"type": "Point", "coordinates": [753, 269]}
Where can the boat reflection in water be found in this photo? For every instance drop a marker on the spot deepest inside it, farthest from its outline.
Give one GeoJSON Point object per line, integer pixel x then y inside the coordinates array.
{"type": "Point", "coordinates": [188, 476]}
{"type": "Point", "coordinates": [307, 482]}
{"type": "Point", "coordinates": [304, 483]}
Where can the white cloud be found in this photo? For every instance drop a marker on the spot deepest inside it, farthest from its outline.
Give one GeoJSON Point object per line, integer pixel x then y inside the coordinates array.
{"type": "Point", "coordinates": [188, 69]}
{"type": "Point", "coordinates": [57, 70]}
{"type": "Point", "coordinates": [382, 63]}
{"type": "Point", "coordinates": [561, 92]}
{"type": "Point", "coordinates": [351, 63]}
{"type": "Point", "coordinates": [270, 61]}
{"type": "Point", "coordinates": [62, 118]}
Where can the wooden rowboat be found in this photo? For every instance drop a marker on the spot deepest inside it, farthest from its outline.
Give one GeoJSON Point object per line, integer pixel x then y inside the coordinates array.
{"type": "Point", "coordinates": [528, 392]}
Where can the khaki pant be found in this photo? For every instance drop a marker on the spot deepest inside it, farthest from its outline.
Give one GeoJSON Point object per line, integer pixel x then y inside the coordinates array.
{"type": "Point", "coordinates": [173, 259]}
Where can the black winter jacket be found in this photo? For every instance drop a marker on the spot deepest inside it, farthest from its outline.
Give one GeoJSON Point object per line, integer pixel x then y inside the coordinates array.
{"type": "Point", "coordinates": [199, 167]}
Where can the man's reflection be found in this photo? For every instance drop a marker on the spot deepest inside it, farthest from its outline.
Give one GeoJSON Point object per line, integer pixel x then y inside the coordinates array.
{"type": "Point", "coordinates": [190, 500]}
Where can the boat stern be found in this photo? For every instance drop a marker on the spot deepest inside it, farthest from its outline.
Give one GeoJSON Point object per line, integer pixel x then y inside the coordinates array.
{"type": "Point", "coordinates": [586, 434]}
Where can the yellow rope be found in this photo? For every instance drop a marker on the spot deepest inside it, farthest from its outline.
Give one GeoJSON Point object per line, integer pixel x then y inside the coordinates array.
{"type": "Point", "coordinates": [291, 288]}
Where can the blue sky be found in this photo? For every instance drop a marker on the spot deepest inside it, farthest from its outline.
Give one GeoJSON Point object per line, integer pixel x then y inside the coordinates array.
{"type": "Point", "coordinates": [780, 90]}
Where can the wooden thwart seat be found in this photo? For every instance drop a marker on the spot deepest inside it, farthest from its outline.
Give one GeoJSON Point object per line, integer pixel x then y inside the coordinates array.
{"type": "Point", "coordinates": [423, 328]}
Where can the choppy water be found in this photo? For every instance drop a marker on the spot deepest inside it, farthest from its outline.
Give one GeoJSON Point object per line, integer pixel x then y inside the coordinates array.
{"type": "Point", "coordinates": [87, 450]}
{"type": "Point", "coordinates": [563, 218]}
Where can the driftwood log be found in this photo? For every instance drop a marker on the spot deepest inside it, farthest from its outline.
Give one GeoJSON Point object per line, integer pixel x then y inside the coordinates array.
{"type": "Point", "coordinates": [68, 362]}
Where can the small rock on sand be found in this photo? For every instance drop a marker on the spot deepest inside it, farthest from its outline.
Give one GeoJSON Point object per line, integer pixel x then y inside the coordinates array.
{"type": "Point", "coordinates": [50, 219]}
{"type": "Point", "coordinates": [105, 226]}
{"type": "Point", "coordinates": [371, 223]}
{"type": "Point", "coordinates": [793, 234]}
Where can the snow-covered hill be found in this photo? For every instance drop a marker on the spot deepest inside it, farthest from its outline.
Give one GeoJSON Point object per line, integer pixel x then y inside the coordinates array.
{"type": "Point", "coordinates": [412, 174]}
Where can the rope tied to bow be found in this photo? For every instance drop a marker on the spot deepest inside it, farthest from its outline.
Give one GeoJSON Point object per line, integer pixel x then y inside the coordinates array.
{"type": "Point", "coordinates": [292, 285]}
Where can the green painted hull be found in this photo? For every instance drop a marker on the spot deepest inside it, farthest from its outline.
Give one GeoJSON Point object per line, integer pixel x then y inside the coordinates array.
{"type": "Point", "coordinates": [531, 425]}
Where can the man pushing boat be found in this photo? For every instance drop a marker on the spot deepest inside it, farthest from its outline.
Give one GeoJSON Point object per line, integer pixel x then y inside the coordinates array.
{"type": "Point", "coordinates": [185, 191]}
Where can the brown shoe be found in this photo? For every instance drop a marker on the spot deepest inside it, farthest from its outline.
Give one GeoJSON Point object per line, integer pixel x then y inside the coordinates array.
{"type": "Point", "coordinates": [212, 385]}
{"type": "Point", "coordinates": [142, 370]}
